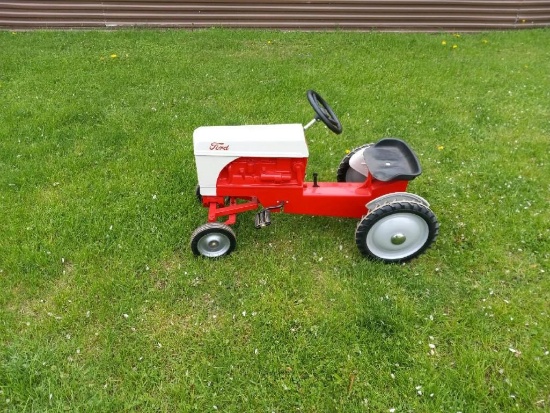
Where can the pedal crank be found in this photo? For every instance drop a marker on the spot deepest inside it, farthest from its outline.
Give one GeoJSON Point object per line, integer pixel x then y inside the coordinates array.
{"type": "Point", "coordinates": [263, 219]}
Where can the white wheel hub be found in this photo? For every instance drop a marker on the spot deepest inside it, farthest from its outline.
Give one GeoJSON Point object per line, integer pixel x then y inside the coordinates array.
{"type": "Point", "coordinates": [397, 236]}
{"type": "Point", "coordinates": [214, 244]}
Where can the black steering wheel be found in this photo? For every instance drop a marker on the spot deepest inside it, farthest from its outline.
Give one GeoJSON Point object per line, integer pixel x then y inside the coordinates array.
{"type": "Point", "coordinates": [324, 112]}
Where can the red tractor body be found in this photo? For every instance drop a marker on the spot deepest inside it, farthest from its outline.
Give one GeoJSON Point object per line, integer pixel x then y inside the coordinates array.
{"type": "Point", "coordinates": [243, 168]}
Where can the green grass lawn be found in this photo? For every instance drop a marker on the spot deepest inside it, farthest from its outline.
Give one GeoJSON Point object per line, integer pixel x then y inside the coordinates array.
{"type": "Point", "coordinates": [103, 308]}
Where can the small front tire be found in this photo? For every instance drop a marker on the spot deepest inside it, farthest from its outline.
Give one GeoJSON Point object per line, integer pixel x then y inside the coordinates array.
{"type": "Point", "coordinates": [396, 232]}
{"type": "Point", "coordinates": [198, 194]}
{"type": "Point", "coordinates": [213, 240]}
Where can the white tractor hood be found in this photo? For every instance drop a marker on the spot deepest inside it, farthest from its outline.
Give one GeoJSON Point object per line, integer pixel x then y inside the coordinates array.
{"type": "Point", "coordinates": [263, 141]}
{"type": "Point", "coordinates": [217, 146]}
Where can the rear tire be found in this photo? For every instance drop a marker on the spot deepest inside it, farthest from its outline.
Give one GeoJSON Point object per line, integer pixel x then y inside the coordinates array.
{"type": "Point", "coordinates": [347, 174]}
{"type": "Point", "coordinates": [396, 232]}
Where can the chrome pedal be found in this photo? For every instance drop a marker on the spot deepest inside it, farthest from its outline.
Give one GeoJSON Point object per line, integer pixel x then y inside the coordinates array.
{"type": "Point", "coordinates": [263, 219]}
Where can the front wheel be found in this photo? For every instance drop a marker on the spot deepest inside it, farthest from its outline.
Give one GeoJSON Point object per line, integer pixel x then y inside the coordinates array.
{"type": "Point", "coordinates": [198, 193]}
{"type": "Point", "coordinates": [396, 232]}
{"type": "Point", "coordinates": [213, 240]}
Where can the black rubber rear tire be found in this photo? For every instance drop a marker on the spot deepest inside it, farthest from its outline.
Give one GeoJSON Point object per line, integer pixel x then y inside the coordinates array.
{"type": "Point", "coordinates": [396, 232]}
{"type": "Point", "coordinates": [343, 168]}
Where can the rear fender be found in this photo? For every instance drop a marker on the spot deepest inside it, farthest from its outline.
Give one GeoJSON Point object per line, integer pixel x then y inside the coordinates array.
{"type": "Point", "coordinates": [396, 197]}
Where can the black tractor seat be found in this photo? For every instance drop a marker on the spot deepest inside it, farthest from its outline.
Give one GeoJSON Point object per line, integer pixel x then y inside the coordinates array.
{"type": "Point", "coordinates": [392, 159]}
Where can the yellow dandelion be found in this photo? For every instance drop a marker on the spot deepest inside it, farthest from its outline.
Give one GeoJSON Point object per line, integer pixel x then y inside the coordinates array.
{"type": "Point", "coordinates": [456, 35]}
{"type": "Point", "coordinates": [114, 56]}
{"type": "Point", "coordinates": [444, 43]}
{"type": "Point", "coordinates": [440, 147]}
{"type": "Point", "coordinates": [485, 41]}
{"type": "Point", "coordinates": [455, 46]}
{"type": "Point", "coordinates": [348, 151]}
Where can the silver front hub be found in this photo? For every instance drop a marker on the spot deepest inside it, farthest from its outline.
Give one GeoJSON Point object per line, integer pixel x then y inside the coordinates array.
{"type": "Point", "coordinates": [397, 236]}
{"type": "Point", "coordinates": [214, 244]}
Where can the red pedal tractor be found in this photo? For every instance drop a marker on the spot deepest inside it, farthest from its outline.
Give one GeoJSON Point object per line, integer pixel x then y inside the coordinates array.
{"type": "Point", "coordinates": [243, 168]}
